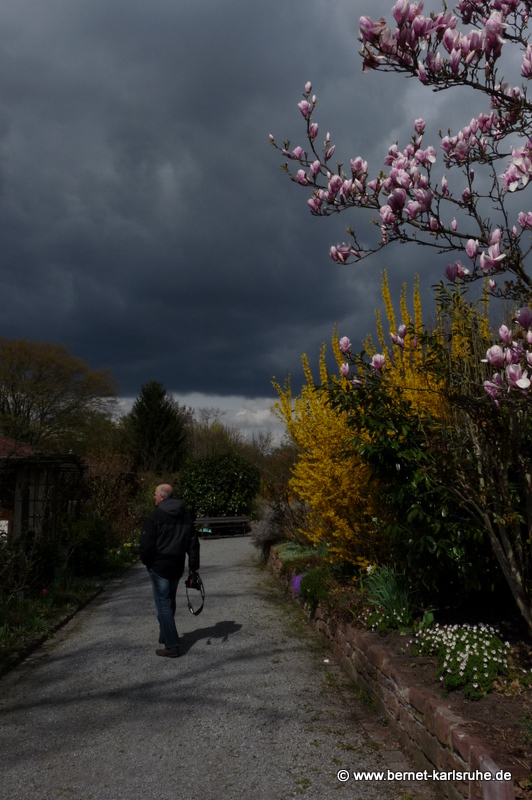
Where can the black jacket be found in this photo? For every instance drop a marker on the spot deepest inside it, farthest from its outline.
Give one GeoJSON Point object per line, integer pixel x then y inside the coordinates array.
{"type": "Point", "coordinates": [167, 535]}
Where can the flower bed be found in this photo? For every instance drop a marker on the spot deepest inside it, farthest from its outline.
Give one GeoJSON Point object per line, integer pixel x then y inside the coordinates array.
{"type": "Point", "coordinates": [435, 731]}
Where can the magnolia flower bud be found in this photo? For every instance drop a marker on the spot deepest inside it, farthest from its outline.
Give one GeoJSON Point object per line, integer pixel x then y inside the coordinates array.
{"type": "Point", "coordinates": [344, 344]}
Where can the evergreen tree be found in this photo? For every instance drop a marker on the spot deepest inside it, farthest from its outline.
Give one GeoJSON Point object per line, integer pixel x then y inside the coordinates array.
{"type": "Point", "coordinates": [157, 429]}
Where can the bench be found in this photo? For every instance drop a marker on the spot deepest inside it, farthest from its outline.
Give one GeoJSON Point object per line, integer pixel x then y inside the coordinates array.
{"type": "Point", "coordinates": [215, 527]}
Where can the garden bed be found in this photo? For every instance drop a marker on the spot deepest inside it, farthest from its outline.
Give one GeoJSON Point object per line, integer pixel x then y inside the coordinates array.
{"type": "Point", "coordinates": [445, 733]}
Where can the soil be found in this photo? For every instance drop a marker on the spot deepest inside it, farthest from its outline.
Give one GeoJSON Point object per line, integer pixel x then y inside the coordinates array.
{"type": "Point", "coordinates": [503, 718]}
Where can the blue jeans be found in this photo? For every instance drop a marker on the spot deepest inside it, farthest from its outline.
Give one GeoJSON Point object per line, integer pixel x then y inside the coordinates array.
{"type": "Point", "coordinates": [164, 592]}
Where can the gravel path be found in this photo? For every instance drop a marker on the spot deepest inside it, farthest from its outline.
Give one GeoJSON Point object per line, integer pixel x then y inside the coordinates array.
{"type": "Point", "coordinates": [256, 708]}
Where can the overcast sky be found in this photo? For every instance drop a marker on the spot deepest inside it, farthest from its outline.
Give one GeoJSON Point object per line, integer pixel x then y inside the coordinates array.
{"type": "Point", "coordinates": [144, 220]}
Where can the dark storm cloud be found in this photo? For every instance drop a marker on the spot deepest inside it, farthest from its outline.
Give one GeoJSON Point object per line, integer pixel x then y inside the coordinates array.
{"type": "Point", "coordinates": [144, 220]}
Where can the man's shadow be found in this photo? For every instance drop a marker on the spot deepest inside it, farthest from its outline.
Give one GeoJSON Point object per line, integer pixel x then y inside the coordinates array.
{"type": "Point", "coordinates": [221, 630]}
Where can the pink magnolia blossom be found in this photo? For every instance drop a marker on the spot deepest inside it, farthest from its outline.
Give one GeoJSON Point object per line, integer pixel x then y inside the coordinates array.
{"type": "Point", "coordinates": [397, 200]}
{"type": "Point", "coordinates": [345, 370]}
{"type": "Point", "coordinates": [524, 317]}
{"type": "Point", "coordinates": [413, 208]}
{"type": "Point", "coordinates": [495, 356]}
{"type": "Point", "coordinates": [335, 183]}
{"type": "Point", "coordinates": [456, 270]}
{"type": "Point", "coordinates": [344, 345]}
{"type": "Point", "coordinates": [504, 334]}
{"type": "Point", "coordinates": [494, 388]}
{"type": "Point", "coordinates": [369, 30]}
{"type": "Point", "coordinates": [421, 72]}
{"type": "Point", "coordinates": [492, 258]}
{"type": "Point", "coordinates": [526, 66]}
{"type": "Point", "coordinates": [387, 215]}
{"type": "Point", "coordinates": [305, 108]}
{"type": "Point", "coordinates": [400, 11]}
{"type": "Point", "coordinates": [378, 361]}
{"type": "Point", "coordinates": [342, 252]}
{"type": "Point", "coordinates": [472, 248]}
{"type": "Point", "coordinates": [517, 377]}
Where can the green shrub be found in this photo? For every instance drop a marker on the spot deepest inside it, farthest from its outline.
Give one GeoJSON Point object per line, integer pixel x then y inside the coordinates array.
{"type": "Point", "coordinates": [313, 588]}
{"type": "Point", "coordinates": [86, 541]}
{"type": "Point", "coordinates": [220, 485]}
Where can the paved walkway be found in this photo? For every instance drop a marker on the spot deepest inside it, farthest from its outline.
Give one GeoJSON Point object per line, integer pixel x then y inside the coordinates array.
{"type": "Point", "coordinates": [255, 709]}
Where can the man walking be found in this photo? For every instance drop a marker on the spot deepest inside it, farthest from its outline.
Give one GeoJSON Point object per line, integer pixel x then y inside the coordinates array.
{"type": "Point", "coordinates": [167, 536]}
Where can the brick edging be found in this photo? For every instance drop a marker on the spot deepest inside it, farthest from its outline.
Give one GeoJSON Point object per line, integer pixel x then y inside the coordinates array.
{"type": "Point", "coordinates": [435, 737]}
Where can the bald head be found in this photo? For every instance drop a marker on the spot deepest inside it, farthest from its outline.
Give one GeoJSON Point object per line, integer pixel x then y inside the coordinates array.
{"type": "Point", "coordinates": [163, 492]}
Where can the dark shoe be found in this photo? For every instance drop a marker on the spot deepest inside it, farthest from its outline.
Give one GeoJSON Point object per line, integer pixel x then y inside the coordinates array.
{"type": "Point", "coordinates": [169, 652]}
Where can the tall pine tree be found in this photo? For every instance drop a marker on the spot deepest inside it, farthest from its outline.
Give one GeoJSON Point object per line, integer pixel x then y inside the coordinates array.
{"type": "Point", "coordinates": [157, 428]}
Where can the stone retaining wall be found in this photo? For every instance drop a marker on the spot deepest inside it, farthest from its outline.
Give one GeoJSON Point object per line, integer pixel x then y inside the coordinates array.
{"type": "Point", "coordinates": [434, 736]}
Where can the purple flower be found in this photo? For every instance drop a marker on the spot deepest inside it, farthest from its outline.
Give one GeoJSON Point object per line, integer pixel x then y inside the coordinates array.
{"type": "Point", "coordinates": [296, 584]}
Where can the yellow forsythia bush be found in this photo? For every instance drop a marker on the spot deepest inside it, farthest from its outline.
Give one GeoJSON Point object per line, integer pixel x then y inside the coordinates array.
{"type": "Point", "coordinates": [329, 477]}
{"type": "Point", "coordinates": [406, 373]}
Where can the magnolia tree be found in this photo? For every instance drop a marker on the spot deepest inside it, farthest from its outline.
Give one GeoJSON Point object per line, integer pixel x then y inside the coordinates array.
{"type": "Point", "coordinates": [450, 49]}
{"type": "Point", "coordinates": [457, 196]}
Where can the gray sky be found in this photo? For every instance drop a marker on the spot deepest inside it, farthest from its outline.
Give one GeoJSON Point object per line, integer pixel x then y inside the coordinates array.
{"type": "Point", "coordinates": [144, 220]}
